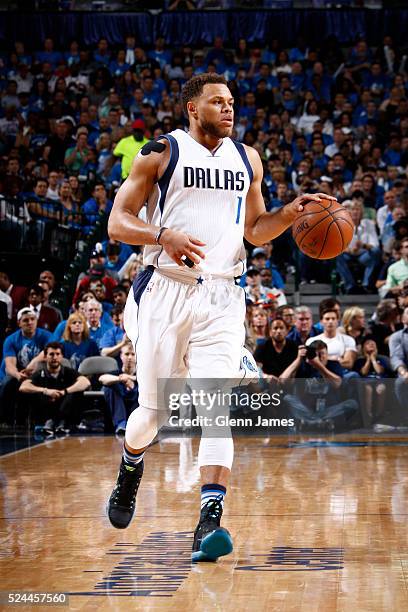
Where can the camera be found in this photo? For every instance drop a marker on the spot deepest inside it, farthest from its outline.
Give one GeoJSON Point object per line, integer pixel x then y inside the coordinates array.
{"type": "Point", "coordinates": [310, 352]}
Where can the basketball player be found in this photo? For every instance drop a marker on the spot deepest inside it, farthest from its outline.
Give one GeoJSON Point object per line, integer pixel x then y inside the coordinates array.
{"type": "Point", "coordinates": [203, 194]}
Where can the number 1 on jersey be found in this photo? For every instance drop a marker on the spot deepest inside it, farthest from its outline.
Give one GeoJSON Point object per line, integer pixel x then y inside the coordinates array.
{"type": "Point", "coordinates": [238, 209]}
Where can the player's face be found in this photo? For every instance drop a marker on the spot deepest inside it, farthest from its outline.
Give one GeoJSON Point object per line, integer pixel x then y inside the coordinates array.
{"type": "Point", "coordinates": [215, 112]}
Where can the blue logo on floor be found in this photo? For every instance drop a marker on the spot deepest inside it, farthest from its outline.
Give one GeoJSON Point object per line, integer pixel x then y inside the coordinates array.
{"type": "Point", "coordinates": [294, 559]}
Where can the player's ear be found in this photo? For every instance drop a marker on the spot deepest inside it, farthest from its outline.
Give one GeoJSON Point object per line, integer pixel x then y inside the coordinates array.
{"type": "Point", "coordinates": [192, 109]}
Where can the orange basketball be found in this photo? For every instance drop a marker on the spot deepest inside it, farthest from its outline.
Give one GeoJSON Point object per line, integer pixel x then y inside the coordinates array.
{"type": "Point", "coordinates": [323, 229]}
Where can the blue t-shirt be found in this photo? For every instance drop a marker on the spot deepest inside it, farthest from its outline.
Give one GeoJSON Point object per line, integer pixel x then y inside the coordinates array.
{"type": "Point", "coordinates": [76, 353]}
{"type": "Point", "coordinates": [24, 349]}
{"type": "Point", "coordinates": [98, 333]}
{"type": "Point", "coordinates": [112, 337]}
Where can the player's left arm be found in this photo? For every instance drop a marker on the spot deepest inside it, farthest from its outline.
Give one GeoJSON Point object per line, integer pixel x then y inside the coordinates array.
{"type": "Point", "coordinates": [262, 226]}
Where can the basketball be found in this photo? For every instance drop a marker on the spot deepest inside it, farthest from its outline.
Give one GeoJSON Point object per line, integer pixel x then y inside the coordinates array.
{"type": "Point", "coordinates": [323, 229]}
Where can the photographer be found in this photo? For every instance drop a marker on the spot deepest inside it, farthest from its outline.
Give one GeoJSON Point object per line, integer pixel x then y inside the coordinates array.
{"type": "Point", "coordinates": [317, 399]}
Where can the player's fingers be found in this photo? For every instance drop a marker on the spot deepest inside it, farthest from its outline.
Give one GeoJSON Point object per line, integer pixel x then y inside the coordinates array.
{"type": "Point", "coordinates": [196, 250]}
{"type": "Point", "coordinates": [326, 197]}
{"type": "Point", "coordinates": [311, 196]}
{"type": "Point", "coordinates": [190, 254]}
{"type": "Point", "coordinates": [196, 241]}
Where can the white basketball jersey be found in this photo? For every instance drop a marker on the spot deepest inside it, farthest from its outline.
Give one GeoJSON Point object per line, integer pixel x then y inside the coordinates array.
{"type": "Point", "coordinates": [202, 194]}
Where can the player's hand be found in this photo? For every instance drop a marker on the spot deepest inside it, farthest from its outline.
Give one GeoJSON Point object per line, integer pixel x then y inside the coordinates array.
{"type": "Point", "coordinates": [176, 244]}
{"type": "Point", "coordinates": [291, 210]}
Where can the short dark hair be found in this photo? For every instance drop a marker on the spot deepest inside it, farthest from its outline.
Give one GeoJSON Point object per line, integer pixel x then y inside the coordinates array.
{"type": "Point", "coordinates": [37, 289]}
{"type": "Point", "coordinates": [318, 345]}
{"type": "Point", "coordinates": [194, 87]}
{"type": "Point", "coordinates": [116, 310]}
{"type": "Point", "coordinates": [53, 345]}
{"type": "Point", "coordinates": [280, 320]}
{"type": "Point", "coordinates": [327, 310]}
{"type": "Point", "coordinates": [328, 304]}
{"type": "Point", "coordinates": [119, 288]}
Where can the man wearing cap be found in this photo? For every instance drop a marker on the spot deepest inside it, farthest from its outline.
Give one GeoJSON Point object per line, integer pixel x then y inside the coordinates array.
{"type": "Point", "coordinates": [128, 147]}
{"type": "Point", "coordinates": [255, 291]}
{"type": "Point", "coordinates": [22, 352]}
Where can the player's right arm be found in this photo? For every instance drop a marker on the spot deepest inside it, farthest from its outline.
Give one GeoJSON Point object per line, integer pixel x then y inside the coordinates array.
{"type": "Point", "coordinates": [125, 226]}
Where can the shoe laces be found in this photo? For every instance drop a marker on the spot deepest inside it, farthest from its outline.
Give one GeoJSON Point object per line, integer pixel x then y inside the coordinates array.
{"type": "Point", "coordinates": [127, 486]}
{"type": "Point", "coordinates": [212, 510]}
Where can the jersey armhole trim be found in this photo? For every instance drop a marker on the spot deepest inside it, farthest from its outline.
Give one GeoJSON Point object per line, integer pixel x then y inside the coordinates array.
{"type": "Point", "coordinates": [241, 150]}
{"type": "Point", "coordinates": [164, 181]}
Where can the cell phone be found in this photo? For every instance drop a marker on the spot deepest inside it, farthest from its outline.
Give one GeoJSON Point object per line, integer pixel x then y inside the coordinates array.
{"type": "Point", "coordinates": [310, 352]}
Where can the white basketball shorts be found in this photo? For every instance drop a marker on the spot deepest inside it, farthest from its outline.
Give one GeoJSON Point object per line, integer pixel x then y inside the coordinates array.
{"type": "Point", "coordinates": [183, 330]}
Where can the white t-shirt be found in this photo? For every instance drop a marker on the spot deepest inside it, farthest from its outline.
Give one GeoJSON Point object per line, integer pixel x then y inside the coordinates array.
{"type": "Point", "coordinates": [337, 346]}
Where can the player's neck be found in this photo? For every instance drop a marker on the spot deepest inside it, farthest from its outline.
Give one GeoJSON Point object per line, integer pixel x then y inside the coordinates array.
{"type": "Point", "coordinates": [203, 138]}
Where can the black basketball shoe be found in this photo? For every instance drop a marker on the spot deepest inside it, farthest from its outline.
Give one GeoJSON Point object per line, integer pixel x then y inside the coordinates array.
{"type": "Point", "coordinates": [122, 502]}
{"type": "Point", "coordinates": [210, 540]}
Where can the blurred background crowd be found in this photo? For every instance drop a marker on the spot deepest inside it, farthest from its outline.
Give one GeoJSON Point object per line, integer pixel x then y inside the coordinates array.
{"type": "Point", "coordinates": [325, 117]}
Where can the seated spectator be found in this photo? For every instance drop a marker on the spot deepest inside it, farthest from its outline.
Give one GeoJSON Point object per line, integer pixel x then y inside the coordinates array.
{"type": "Point", "coordinates": [39, 206]}
{"type": "Point", "coordinates": [276, 353]}
{"type": "Point", "coordinates": [131, 268]}
{"type": "Point", "coordinates": [56, 392]}
{"type": "Point", "coordinates": [77, 156]}
{"type": "Point", "coordinates": [353, 324]}
{"type": "Point", "coordinates": [363, 248]}
{"type": "Point", "coordinates": [70, 211]}
{"type": "Point", "coordinates": [120, 294]}
{"type": "Point", "coordinates": [121, 391]}
{"type": "Point", "coordinates": [373, 366]}
{"type": "Point", "coordinates": [399, 360]}
{"type": "Point", "coordinates": [99, 203]}
{"type": "Point", "coordinates": [76, 344]}
{"type": "Point", "coordinates": [258, 325]}
{"type": "Point", "coordinates": [97, 287]}
{"type": "Point", "coordinates": [22, 351]}
{"type": "Point", "coordinates": [384, 213]}
{"type": "Point", "coordinates": [398, 272]}
{"type": "Point", "coordinates": [385, 322]}
{"type": "Point", "coordinates": [286, 313]}
{"type": "Point", "coordinates": [49, 277]}
{"type": "Point", "coordinates": [318, 399]}
{"type": "Point", "coordinates": [17, 293]}
{"type": "Point", "coordinates": [115, 338]}
{"type": "Point", "coordinates": [388, 260]}
{"type": "Point", "coordinates": [340, 347]}
{"type": "Point", "coordinates": [255, 291]}
{"type": "Point", "coordinates": [95, 272]}
{"type": "Point", "coordinates": [47, 317]}
{"type": "Point", "coordinates": [393, 224]}
{"type": "Point", "coordinates": [303, 328]}
{"type": "Point", "coordinates": [125, 251]}
{"type": "Point", "coordinates": [93, 314]}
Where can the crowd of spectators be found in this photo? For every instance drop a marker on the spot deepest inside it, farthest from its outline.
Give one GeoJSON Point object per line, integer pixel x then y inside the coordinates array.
{"type": "Point", "coordinates": [327, 119]}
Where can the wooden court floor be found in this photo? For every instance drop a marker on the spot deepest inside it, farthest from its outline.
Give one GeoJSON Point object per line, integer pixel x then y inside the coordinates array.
{"type": "Point", "coordinates": [317, 527]}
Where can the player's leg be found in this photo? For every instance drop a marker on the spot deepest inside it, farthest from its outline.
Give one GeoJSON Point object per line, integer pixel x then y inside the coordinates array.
{"type": "Point", "coordinates": [156, 321]}
{"type": "Point", "coordinates": [215, 352]}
